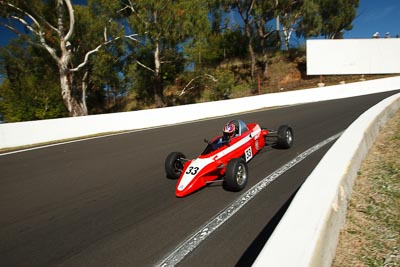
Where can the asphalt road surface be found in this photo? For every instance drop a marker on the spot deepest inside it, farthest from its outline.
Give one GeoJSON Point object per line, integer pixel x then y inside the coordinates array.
{"type": "Point", "coordinates": [107, 201]}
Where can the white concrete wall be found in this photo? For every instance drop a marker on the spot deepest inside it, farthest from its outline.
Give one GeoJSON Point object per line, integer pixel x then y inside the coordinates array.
{"type": "Point", "coordinates": [353, 56]}
{"type": "Point", "coordinates": [308, 233]}
{"type": "Point", "coordinates": [35, 132]}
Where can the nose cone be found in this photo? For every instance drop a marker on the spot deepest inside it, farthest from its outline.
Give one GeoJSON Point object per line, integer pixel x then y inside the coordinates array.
{"type": "Point", "coordinates": [195, 185]}
{"type": "Point", "coordinates": [181, 193]}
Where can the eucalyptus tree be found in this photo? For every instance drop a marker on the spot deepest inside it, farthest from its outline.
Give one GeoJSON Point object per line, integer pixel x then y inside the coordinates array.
{"type": "Point", "coordinates": [255, 16]}
{"type": "Point", "coordinates": [50, 25]}
{"type": "Point", "coordinates": [102, 76]}
{"type": "Point", "coordinates": [337, 17]}
{"type": "Point", "coordinates": [326, 18]}
{"type": "Point", "coordinates": [164, 26]}
{"type": "Point", "coordinates": [310, 23]}
{"type": "Point", "coordinates": [246, 10]}
{"type": "Point", "coordinates": [265, 12]}
{"type": "Point", "coordinates": [289, 15]}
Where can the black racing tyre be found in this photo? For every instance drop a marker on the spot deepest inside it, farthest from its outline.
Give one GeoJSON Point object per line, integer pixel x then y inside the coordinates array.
{"type": "Point", "coordinates": [285, 137]}
{"type": "Point", "coordinates": [236, 175]}
{"type": "Point", "coordinates": [174, 165]}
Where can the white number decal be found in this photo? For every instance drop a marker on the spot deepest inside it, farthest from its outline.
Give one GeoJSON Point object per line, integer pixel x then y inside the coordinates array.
{"type": "Point", "coordinates": [248, 154]}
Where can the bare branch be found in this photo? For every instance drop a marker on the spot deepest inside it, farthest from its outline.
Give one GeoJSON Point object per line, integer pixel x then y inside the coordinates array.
{"type": "Point", "coordinates": [71, 20]}
{"type": "Point", "coordinates": [23, 21]}
{"type": "Point", "coordinates": [195, 78]}
{"type": "Point", "coordinates": [39, 17]}
{"type": "Point", "coordinates": [11, 28]}
{"type": "Point", "coordinates": [122, 9]}
{"type": "Point", "coordinates": [48, 24]}
{"type": "Point", "coordinates": [31, 16]}
{"type": "Point", "coordinates": [86, 60]}
{"type": "Point", "coordinates": [17, 32]}
{"type": "Point", "coordinates": [87, 57]}
{"type": "Point", "coordinates": [38, 32]}
{"type": "Point", "coordinates": [144, 66]}
{"type": "Point", "coordinates": [49, 49]}
{"type": "Point", "coordinates": [26, 24]}
{"type": "Point", "coordinates": [131, 36]}
{"type": "Point", "coordinates": [130, 6]}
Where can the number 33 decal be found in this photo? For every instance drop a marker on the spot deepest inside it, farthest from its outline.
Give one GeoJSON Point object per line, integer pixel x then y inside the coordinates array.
{"type": "Point", "coordinates": [192, 170]}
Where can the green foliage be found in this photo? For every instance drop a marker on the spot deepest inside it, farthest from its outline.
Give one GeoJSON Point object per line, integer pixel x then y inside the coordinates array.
{"type": "Point", "coordinates": [337, 16]}
{"type": "Point", "coordinates": [163, 26]}
{"type": "Point", "coordinates": [194, 39]}
{"type": "Point", "coordinates": [107, 87]}
{"type": "Point", "coordinates": [30, 101]}
{"type": "Point", "coordinates": [102, 73]}
{"type": "Point", "coordinates": [170, 22]}
{"type": "Point", "coordinates": [140, 79]}
{"type": "Point", "coordinates": [30, 92]}
{"type": "Point", "coordinates": [212, 50]}
{"type": "Point", "coordinates": [223, 87]}
{"type": "Point", "coordinates": [326, 18]}
{"type": "Point", "coordinates": [310, 23]}
{"type": "Point", "coordinates": [200, 86]}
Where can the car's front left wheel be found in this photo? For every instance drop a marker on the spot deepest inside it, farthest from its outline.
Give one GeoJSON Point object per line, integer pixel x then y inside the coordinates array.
{"type": "Point", "coordinates": [236, 175]}
{"type": "Point", "coordinates": [285, 137]}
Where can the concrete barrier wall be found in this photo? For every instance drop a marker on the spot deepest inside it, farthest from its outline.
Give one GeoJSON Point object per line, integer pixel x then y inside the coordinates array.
{"type": "Point", "coordinates": [353, 56]}
{"type": "Point", "coordinates": [36, 132]}
{"type": "Point", "coordinates": [308, 233]}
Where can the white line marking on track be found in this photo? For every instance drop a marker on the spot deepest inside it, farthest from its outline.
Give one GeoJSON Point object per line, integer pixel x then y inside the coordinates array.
{"type": "Point", "coordinates": [200, 235]}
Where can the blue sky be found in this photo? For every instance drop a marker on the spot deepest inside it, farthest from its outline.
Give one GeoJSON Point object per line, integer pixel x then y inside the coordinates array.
{"type": "Point", "coordinates": [372, 16]}
{"type": "Point", "coordinates": [376, 16]}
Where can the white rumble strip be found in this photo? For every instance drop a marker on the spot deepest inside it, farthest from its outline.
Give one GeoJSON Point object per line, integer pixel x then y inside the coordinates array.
{"type": "Point", "coordinates": [199, 236]}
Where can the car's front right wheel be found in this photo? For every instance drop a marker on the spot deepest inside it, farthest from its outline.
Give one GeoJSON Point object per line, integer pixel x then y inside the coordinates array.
{"type": "Point", "coordinates": [236, 175]}
{"type": "Point", "coordinates": [174, 164]}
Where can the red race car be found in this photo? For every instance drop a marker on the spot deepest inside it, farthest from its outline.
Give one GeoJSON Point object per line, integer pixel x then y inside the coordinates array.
{"type": "Point", "coordinates": [225, 157]}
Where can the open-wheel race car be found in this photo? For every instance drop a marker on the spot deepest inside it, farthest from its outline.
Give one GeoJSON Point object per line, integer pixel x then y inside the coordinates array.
{"type": "Point", "coordinates": [225, 157]}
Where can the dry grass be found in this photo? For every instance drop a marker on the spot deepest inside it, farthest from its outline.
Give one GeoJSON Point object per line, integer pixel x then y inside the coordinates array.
{"type": "Point", "coordinates": [371, 233]}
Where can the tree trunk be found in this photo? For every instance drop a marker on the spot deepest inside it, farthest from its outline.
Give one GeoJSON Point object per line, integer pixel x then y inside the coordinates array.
{"type": "Point", "coordinates": [76, 106]}
{"type": "Point", "coordinates": [253, 59]}
{"type": "Point", "coordinates": [158, 85]}
{"type": "Point", "coordinates": [84, 88]}
{"type": "Point", "coordinates": [287, 33]}
{"type": "Point", "coordinates": [74, 99]}
{"type": "Point", "coordinates": [251, 50]}
{"type": "Point", "coordinates": [265, 59]}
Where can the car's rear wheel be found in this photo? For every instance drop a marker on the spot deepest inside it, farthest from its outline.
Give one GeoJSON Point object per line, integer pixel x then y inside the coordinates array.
{"type": "Point", "coordinates": [174, 164]}
{"type": "Point", "coordinates": [285, 137]}
{"type": "Point", "coordinates": [236, 175]}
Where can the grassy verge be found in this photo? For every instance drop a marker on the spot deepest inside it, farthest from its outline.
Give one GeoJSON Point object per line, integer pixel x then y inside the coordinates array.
{"type": "Point", "coordinates": [371, 236]}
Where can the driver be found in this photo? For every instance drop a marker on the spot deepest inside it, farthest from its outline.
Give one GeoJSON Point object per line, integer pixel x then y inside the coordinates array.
{"type": "Point", "coordinates": [228, 132]}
